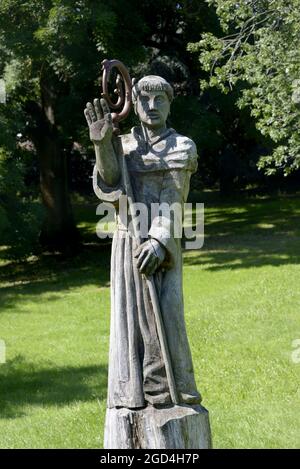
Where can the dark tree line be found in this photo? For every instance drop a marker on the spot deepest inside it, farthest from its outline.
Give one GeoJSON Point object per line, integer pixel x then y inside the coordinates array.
{"type": "Point", "coordinates": [50, 56]}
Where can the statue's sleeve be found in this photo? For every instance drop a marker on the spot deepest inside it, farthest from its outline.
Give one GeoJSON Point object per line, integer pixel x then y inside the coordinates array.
{"type": "Point", "coordinates": [103, 191]}
{"type": "Point", "coordinates": [166, 226]}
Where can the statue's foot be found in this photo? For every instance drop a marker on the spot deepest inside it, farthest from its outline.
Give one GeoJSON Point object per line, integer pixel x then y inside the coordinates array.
{"type": "Point", "coordinates": [159, 400]}
{"type": "Point", "coordinates": [164, 399]}
{"type": "Point", "coordinates": [192, 398]}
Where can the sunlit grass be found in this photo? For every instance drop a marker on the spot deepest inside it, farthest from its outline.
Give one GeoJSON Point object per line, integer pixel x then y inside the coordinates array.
{"type": "Point", "coordinates": [242, 302]}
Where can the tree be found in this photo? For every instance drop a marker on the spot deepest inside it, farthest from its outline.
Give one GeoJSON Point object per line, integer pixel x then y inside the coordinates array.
{"type": "Point", "coordinates": [209, 117]}
{"type": "Point", "coordinates": [19, 217]}
{"type": "Point", "coordinates": [259, 52]}
{"type": "Point", "coordinates": [50, 56]}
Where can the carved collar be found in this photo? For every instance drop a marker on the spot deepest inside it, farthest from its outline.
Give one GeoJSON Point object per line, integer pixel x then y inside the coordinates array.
{"type": "Point", "coordinates": [146, 145]}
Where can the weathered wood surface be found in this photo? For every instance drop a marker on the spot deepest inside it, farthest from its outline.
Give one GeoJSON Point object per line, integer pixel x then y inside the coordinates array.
{"type": "Point", "coordinates": [150, 362]}
{"type": "Point", "coordinates": [178, 427]}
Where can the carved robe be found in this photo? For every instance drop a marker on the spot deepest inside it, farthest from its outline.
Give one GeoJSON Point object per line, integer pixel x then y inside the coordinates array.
{"type": "Point", "coordinates": [159, 172]}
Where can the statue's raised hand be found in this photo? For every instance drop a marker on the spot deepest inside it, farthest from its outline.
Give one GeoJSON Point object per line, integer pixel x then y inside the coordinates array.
{"type": "Point", "coordinates": [99, 121]}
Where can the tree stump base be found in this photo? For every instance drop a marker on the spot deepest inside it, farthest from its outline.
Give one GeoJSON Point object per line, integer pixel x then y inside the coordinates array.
{"type": "Point", "coordinates": [176, 427]}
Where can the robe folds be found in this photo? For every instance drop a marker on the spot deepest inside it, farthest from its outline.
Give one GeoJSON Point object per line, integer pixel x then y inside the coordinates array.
{"type": "Point", "coordinates": [159, 172]}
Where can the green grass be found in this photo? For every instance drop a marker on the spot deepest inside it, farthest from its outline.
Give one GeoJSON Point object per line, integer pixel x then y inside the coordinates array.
{"type": "Point", "coordinates": [242, 302]}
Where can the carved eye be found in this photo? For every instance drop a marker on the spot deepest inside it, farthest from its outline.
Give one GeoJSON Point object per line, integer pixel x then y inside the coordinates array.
{"type": "Point", "coordinates": [160, 99]}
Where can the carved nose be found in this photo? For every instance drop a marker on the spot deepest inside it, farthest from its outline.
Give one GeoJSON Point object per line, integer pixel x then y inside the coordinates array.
{"type": "Point", "coordinates": [152, 105]}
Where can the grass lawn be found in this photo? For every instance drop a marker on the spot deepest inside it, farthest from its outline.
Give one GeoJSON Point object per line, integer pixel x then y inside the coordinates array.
{"type": "Point", "coordinates": [242, 302]}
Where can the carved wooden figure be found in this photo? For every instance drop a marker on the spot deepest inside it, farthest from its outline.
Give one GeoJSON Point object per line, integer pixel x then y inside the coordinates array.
{"type": "Point", "coordinates": [153, 401]}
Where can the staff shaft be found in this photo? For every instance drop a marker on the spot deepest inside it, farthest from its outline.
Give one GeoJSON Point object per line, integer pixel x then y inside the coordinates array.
{"type": "Point", "coordinates": [153, 295]}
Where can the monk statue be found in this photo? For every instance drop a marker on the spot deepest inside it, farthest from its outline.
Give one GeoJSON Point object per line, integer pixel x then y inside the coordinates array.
{"type": "Point", "coordinates": [159, 164]}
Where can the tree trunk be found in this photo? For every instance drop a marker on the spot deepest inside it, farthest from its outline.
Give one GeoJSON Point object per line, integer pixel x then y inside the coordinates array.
{"type": "Point", "coordinates": [59, 231]}
{"type": "Point", "coordinates": [176, 427]}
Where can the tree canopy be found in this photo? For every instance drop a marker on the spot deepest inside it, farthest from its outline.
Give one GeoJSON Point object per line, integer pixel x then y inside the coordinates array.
{"type": "Point", "coordinates": [50, 59]}
{"type": "Point", "coordinates": [258, 51]}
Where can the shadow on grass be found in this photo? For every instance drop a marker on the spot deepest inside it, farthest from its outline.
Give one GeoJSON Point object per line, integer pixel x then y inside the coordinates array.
{"type": "Point", "coordinates": [23, 384]}
{"type": "Point", "coordinates": [234, 258]}
{"type": "Point", "coordinates": [249, 234]}
{"type": "Point", "coordinates": [240, 233]}
{"type": "Point", "coordinates": [53, 273]}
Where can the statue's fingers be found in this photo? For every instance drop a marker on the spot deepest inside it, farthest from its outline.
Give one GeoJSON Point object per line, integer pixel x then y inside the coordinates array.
{"type": "Point", "coordinates": [144, 267]}
{"type": "Point", "coordinates": [108, 118]}
{"type": "Point", "coordinates": [151, 267]}
{"type": "Point", "coordinates": [98, 109]}
{"type": "Point", "coordinates": [88, 117]}
{"type": "Point", "coordinates": [105, 107]}
{"type": "Point", "coordinates": [139, 249]}
{"type": "Point", "coordinates": [150, 272]}
{"type": "Point", "coordinates": [91, 110]}
{"type": "Point", "coordinates": [137, 252]}
{"type": "Point", "coordinates": [141, 258]}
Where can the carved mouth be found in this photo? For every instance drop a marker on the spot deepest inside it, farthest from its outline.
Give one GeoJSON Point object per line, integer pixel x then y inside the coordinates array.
{"type": "Point", "coordinates": [153, 115]}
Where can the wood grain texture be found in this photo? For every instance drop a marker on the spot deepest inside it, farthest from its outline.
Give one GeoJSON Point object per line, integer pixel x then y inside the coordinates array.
{"type": "Point", "coordinates": [176, 427]}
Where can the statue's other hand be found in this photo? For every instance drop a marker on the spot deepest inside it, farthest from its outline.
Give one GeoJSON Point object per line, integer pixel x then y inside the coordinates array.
{"type": "Point", "coordinates": [150, 256]}
{"type": "Point", "coordinates": [99, 121]}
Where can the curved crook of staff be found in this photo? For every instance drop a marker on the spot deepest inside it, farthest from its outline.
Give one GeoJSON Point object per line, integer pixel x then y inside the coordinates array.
{"type": "Point", "coordinates": [124, 97]}
{"type": "Point", "coordinates": [125, 100]}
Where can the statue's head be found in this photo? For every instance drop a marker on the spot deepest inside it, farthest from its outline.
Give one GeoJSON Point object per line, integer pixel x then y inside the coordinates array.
{"type": "Point", "coordinates": [152, 97]}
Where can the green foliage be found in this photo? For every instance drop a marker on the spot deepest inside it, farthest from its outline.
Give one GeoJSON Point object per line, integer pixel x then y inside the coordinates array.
{"type": "Point", "coordinates": [216, 125]}
{"type": "Point", "coordinates": [261, 54]}
{"type": "Point", "coordinates": [19, 217]}
{"type": "Point", "coordinates": [64, 42]}
{"type": "Point", "coordinates": [50, 59]}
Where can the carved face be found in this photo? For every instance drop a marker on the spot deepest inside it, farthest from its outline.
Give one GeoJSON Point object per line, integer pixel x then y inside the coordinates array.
{"type": "Point", "coordinates": [153, 108]}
